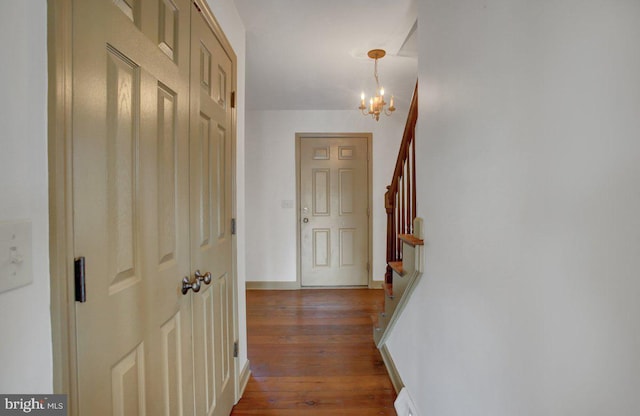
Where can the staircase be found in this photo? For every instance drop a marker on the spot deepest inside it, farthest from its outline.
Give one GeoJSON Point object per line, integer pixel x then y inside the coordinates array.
{"type": "Point", "coordinates": [404, 231]}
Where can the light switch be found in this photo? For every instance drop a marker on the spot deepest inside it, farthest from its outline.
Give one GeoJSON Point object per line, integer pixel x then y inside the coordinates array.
{"type": "Point", "coordinates": [16, 258]}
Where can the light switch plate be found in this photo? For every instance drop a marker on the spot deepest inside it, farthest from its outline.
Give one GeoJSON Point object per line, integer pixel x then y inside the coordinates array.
{"type": "Point", "coordinates": [16, 256]}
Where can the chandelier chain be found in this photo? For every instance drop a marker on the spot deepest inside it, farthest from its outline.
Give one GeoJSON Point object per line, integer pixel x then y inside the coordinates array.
{"type": "Point", "coordinates": [375, 73]}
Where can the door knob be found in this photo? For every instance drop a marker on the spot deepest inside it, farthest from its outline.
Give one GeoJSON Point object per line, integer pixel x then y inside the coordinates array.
{"type": "Point", "coordinates": [206, 278]}
{"type": "Point", "coordinates": [305, 220]}
{"type": "Point", "coordinates": [189, 284]}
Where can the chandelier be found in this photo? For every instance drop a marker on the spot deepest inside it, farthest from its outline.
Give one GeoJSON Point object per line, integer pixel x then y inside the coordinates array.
{"type": "Point", "coordinates": [376, 103]}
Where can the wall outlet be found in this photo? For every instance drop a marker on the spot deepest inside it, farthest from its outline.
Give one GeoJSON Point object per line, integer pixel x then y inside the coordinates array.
{"type": "Point", "coordinates": [404, 404]}
{"type": "Point", "coordinates": [16, 258]}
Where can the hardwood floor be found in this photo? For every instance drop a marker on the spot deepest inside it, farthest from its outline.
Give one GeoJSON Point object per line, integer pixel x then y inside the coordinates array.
{"type": "Point", "coordinates": [312, 353]}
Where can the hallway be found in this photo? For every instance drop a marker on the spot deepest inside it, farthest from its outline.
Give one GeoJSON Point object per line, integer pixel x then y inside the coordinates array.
{"type": "Point", "coordinates": [312, 353]}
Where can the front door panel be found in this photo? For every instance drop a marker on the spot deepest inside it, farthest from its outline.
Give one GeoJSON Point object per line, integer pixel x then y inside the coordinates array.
{"type": "Point", "coordinates": [334, 232]}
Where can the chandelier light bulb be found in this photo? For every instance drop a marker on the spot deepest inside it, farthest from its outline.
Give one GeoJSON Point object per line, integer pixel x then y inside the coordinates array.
{"type": "Point", "coordinates": [362, 106]}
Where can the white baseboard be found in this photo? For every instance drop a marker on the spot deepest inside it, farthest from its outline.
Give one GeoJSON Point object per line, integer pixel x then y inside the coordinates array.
{"type": "Point", "coordinates": [272, 285]}
{"type": "Point", "coordinates": [243, 379]}
{"type": "Point", "coordinates": [376, 284]}
{"type": "Point", "coordinates": [391, 369]}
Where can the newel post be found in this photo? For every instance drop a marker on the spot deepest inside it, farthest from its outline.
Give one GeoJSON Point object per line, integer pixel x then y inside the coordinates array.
{"type": "Point", "coordinates": [391, 232]}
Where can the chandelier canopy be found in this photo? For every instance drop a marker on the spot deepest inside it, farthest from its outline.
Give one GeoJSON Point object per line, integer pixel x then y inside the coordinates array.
{"type": "Point", "coordinates": [376, 103]}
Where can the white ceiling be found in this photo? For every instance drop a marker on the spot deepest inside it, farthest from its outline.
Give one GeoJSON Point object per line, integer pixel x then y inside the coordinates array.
{"type": "Point", "coordinates": [312, 54]}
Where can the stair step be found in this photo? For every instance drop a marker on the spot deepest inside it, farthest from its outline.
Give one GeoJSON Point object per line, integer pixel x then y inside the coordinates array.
{"type": "Point", "coordinates": [396, 266]}
{"type": "Point", "coordinates": [411, 240]}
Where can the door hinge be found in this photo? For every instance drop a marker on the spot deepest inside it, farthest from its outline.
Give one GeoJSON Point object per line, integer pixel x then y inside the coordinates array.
{"type": "Point", "coordinates": [233, 226]}
{"type": "Point", "coordinates": [80, 279]}
{"type": "Point", "coordinates": [368, 212]}
{"type": "Point", "coordinates": [236, 349]}
{"type": "Point", "coordinates": [197, 7]}
{"type": "Point", "coordinates": [233, 99]}
{"type": "Point", "coordinates": [368, 267]}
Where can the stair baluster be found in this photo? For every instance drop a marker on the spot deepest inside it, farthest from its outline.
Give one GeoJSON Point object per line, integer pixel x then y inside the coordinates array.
{"type": "Point", "coordinates": [400, 198]}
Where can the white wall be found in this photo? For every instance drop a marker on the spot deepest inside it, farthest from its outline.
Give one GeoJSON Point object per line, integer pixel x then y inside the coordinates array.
{"type": "Point", "coordinates": [271, 178]}
{"type": "Point", "coordinates": [227, 16]}
{"type": "Point", "coordinates": [26, 361]}
{"type": "Point", "coordinates": [529, 166]}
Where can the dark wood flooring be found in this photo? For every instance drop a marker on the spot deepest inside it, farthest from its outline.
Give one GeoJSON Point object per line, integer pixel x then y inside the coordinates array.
{"type": "Point", "coordinates": [312, 353]}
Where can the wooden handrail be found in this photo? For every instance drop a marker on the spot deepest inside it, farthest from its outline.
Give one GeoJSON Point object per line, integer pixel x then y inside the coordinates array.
{"type": "Point", "coordinates": [400, 198]}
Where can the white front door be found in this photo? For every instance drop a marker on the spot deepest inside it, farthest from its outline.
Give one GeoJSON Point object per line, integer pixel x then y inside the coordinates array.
{"type": "Point", "coordinates": [334, 204]}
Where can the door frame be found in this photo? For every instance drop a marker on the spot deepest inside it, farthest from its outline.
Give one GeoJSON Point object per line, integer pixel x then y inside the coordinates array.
{"type": "Point", "coordinates": [307, 136]}
{"type": "Point", "coordinates": [60, 157]}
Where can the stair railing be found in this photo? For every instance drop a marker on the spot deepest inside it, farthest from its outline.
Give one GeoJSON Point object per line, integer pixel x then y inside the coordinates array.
{"type": "Point", "coordinates": [400, 198]}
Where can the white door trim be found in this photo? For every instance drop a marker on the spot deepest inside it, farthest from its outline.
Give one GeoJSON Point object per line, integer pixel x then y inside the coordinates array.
{"type": "Point", "coordinates": [63, 331]}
